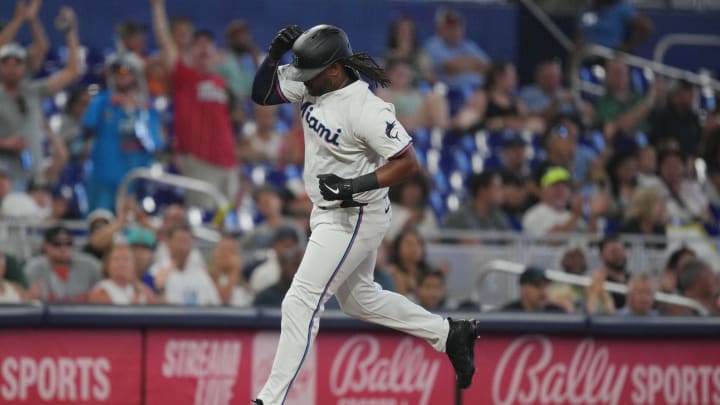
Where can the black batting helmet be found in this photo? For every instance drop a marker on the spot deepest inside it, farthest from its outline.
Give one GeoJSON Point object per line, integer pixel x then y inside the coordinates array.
{"type": "Point", "coordinates": [316, 49]}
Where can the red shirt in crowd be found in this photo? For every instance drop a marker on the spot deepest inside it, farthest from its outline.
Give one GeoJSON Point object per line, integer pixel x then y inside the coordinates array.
{"type": "Point", "coordinates": [203, 127]}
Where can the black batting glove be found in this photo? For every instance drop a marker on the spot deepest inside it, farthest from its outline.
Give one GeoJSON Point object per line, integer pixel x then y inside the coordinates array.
{"type": "Point", "coordinates": [283, 41]}
{"type": "Point", "coordinates": [334, 188]}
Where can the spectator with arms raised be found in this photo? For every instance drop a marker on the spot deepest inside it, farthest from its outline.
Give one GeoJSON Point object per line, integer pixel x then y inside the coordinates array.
{"type": "Point", "coordinates": [22, 125]}
{"type": "Point", "coordinates": [203, 126]}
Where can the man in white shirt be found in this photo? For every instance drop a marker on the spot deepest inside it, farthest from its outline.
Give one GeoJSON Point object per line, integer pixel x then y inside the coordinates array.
{"type": "Point", "coordinates": [177, 279]}
{"type": "Point", "coordinates": [551, 214]}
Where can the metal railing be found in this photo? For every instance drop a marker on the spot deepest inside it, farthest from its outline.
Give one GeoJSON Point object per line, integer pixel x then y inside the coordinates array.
{"type": "Point", "coordinates": [668, 41]}
{"type": "Point", "coordinates": [586, 50]}
{"type": "Point", "coordinates": [504, 266]}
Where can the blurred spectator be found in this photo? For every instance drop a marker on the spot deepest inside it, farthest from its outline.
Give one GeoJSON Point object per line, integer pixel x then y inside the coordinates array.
{"type": "Point", "coordinates": [142, 242]}
{"type": "Point", "coordinates": [268, 204]}
{"type": "Point", "coordinates": [22, 125]}
{"type": "Point", "coordinates": [686, 201]}
{"type": "Point", "coordinates": [570, 297]}
{"type": "Point", "coordinates": [413, 108]}
{"type": "Point", "coordinates": [431, 290]}
{"type": "Point", "coordinates": [100, 233]}
{"type": "Point", "coordinates": [711, 186]}
{"type": "Point", "coordinates": [551, 214]}
{"type": "Point", "coordinates": [70, 128]}
{"type": "Point", "coordinates": [547, 97]}
{"type": "Point", "coordinates": [175, 215]}
{"type": "Point", "coordinates": [640, 297]}
{"type": "Point", "coordinates": [677, 122]}
{"type": "Point", "coordinates": [267, 273]}
{"type": "Point", "coordinates": [598, 301]}
{"type": "Point", "coordinates": [27, 10]}
{"type": "Point", "coordinates": [711, 143]}
{"type": "Point", "coordinates": [407, 258]}
{"type": "Point", "coordinates": [410, 208]}
{"type": "Point", "coordinates": [497, 107]}
{"type": "Point", "coordinates": [533, 293]}
{"type": "Point", "coordinates": [647, 166]}
{"type": "Point", "coordinates": [646, 213]}
{"type": "Point", "coordinates": [697, 280]}
{"type": "Point", "coordinates": [562, 148]}
{"type": "Point", "coordinates": [33, 205]}
{"type": "Point", "coordinates": [204, 138]}
{"type": "Point", "coordinates": [121, 287]}
{"type": "Point", "coordinates": [622, 175]}
{"type": "Point", "coordinates": [124, 129]}
{"type": "Point", "coordinates": [621, 110]}
{"type": "Point", "coordinates": [614, 24]}
{"type": "Point", "coordinates": [241, 60]}
{"type": "Point", "coordinates": [272, 296]}
{"type": "Point", "coordinates": [482, 211]}
{"type": "Point", "coordinates": [182, 30]}
{"type": "Point", "coordinates": [402, 45]}
{"type": "Point", "coordinates": [676, 260]}
{"type": "Point", "coordinates": [512, 158]}
{"type": "Point", "coordinates": [13, 270]}
{"type": "Point", "coordinates": [131, 37]}
{"type": "Point", "coordinates": [456, 60]}
{"type": "Point", "coordinates": [10, 291]}
{"type": "Point", "coordinates": [226, 270]}
{"type": "Point", "coordinates": [176, 279]}
{"type": "Point", "coordinates": [515, 193]}
{"type": "Point", "coordinates": [61, 274]}
{"type": "Point", "coordinates": [262, 141]}
{"type": "Point", "coordinates": [7, 185]}
{"type": "Point", "coordinates": [613, 266]}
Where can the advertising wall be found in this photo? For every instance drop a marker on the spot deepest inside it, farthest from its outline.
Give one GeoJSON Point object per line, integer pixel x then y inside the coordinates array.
{"type": "Point", "coordinates": [222, 367]}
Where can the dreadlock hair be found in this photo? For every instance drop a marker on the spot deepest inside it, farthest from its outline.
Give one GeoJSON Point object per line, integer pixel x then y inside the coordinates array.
{"type": "Point", "coordinates": [366, 65]}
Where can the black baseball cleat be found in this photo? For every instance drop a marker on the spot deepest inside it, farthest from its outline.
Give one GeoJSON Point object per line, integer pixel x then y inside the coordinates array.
{"type": "Point", "coordinates": [460, 348]}
{"type": "Point", "coordinates": [257, 402]}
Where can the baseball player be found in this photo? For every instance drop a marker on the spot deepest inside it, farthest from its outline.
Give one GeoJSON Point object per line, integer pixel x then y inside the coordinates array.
{"type": "Point", "coordinates": [354, 149]}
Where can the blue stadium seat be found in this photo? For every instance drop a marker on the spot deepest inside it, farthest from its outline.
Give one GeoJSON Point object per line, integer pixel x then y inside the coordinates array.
{"type": "Point", "coordinates": [438, 204]}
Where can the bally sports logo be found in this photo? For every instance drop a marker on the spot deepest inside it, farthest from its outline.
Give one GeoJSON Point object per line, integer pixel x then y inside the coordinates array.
{"type": "Point", "coordinates": [361, 370]}
{"type": "Point", "coordinates": [213, 363]}
{"type": "Point", "coordinates": [531, 372]}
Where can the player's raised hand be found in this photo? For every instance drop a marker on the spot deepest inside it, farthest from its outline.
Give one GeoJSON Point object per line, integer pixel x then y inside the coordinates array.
{"type": "Point", "coordinates": [284, 41]}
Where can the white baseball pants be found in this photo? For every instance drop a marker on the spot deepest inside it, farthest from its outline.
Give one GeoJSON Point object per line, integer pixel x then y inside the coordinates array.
{"type": "Point", "coordinates": [340, 259]}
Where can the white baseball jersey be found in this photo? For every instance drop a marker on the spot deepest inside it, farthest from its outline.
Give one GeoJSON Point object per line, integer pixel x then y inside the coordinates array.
{"type": "Point", "coordinates": [348, 132]}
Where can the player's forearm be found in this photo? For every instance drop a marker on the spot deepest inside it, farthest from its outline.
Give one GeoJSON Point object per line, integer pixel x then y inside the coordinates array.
{"type": "Point", "coordinates": [398, 170]}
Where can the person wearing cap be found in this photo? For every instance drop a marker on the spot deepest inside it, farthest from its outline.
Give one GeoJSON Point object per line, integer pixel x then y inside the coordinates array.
{"type": "Point", "coordinates": [511, 157]}
{"type": "Point", "coordinates": [483, 210]}
{"type": "Point", "coordinates": [124, 128]}
{"type": "Point", "coordinates": [61, 274]}
{"type": "Point", "coordinates": [457, 61]}
{"type": "Point", "coordinates": [204, 137]}
{"type": "Point", "coordinates": [22, 124]}
{"type": "Point", "coordinates": [240, 61]}
{"type": "Point", "coordinates": [551, 214]}
{"type": "Point", "coordinates": [533, 293]}
{"type": "Point", "coordinates": [27, 11]}
{"type": "Point", "coordinates": [102, 226]}
{"type": "Point", "coordinates": [143, 243]}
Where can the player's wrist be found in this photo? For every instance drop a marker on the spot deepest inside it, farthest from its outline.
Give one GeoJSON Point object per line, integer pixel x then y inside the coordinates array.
{"type": "Point", "coordinates": [365, 182]}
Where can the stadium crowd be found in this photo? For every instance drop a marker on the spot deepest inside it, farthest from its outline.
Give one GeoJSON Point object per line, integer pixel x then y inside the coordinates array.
{"type": "Point", "coordinates": [535, 159]}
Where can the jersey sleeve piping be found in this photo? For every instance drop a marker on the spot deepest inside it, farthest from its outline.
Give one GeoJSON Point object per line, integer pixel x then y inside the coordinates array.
{"type": "Point", "coordinates": [402, 151]}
